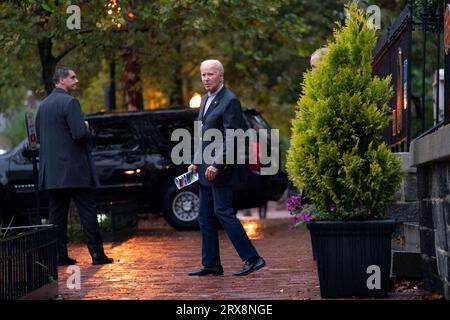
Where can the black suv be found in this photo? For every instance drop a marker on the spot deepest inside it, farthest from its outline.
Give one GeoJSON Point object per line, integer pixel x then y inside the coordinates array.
{"type": "Point", "coordinates": [132, 154]}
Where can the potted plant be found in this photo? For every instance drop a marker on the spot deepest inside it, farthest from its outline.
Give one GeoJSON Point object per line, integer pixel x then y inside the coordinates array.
{"type": "Point", "coordinates": [338, 159]}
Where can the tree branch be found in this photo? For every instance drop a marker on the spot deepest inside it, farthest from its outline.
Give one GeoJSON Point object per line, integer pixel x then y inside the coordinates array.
{"type": "Point", "coordinates": [64, 52]}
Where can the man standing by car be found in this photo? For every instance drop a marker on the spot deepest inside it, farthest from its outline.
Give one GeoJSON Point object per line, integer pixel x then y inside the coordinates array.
{"type": "Point", "coordinates": [66, 168]}
{"type": "Point", "coordinates": [221, 110]}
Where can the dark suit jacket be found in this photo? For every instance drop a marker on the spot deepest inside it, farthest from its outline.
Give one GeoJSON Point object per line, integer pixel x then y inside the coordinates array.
{"type": "Point", "coordinates": [223, 113]}
{"type": "Point", "coordinates": [65, 160]}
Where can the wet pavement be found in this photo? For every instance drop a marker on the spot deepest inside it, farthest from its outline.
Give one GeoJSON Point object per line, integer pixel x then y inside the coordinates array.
{"type": "Point", "coordinates": [153, 264]}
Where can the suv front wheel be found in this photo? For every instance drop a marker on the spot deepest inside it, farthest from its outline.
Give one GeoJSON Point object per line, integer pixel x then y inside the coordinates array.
{"type": "Point", "coordinates": [181, 207]}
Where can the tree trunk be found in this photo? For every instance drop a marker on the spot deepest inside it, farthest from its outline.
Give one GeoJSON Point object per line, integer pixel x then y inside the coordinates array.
{"type": "Point", "coordinates": [132, 81]}
{"type": "Point", "coordinates": [48, 63]}
{"type": "Point", "coordinates": [176, 95]}
{"type": "Point", "coordinates": [45, 47]}
{"type": "Point", "coordinates": [110, 93]}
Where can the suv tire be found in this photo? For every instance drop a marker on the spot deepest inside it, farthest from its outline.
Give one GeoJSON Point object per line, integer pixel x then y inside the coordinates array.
{"type": "Point", "coordinates": [181, 207]}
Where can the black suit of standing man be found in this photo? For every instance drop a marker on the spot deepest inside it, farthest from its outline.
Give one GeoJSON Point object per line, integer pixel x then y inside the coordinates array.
{"type": "Point", "coordinates": [66, 168]}
{"type": "Point", "coordinates": [221, 110]}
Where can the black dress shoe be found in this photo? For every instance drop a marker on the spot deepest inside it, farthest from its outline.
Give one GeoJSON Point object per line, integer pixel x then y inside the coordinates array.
{"type": "Point", "coordinates": [217, 271]}
{"type": "Point", "coordinates": [66, 261]}
{"type": "Point", "coordinates": [101, 259]}
{"type": "Point", "coordinates": [250, 266]}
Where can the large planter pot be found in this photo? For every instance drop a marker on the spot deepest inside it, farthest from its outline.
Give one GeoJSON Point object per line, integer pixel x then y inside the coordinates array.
{"type": "Point", "coordinates": [312, 245]}
{"type": "Point", "coordinates": [353, 257]}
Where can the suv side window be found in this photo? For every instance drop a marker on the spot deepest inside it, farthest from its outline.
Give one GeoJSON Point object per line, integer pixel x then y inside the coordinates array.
{"type": "Point", "coordinates": [162, 126]}
{"type": "Point", "coordinates": [167, 125]}
{"type": "Point", "coordinates": [115, 136]}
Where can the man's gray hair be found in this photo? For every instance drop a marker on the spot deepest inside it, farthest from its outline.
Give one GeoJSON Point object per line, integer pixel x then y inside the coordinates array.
{"type": "Point", "coordinates": [318, 56]}
{"type": "Point", "coordinates": [216, 63]}
{"type": "Point", "coordinates": [61, 72]}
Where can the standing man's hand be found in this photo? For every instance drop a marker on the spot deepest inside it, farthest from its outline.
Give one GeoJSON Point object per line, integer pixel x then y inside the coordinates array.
{"type": "Point", "coordinates": [211, 173]}
{"type": "Point", "coordinates": [193, 168]}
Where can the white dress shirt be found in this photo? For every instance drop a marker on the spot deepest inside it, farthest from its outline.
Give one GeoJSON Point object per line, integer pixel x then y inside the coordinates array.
{"type": "Point", "coordinates": [210, 98]}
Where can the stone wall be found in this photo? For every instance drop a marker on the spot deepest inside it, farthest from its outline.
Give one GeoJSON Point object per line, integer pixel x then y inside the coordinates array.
{"type": "Point", "coordinates": [406, 205]}
{"type": "Point", "coordinates": [431, 156]}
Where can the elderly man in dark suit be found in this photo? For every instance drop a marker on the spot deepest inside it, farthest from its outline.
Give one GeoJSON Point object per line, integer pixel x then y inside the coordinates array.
{"type": "Point", "coordinates": [221, 110]}
{"type": "Point", "coordinates": [66, 168]}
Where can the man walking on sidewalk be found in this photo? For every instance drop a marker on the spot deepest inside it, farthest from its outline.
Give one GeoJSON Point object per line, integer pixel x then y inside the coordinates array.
{"type": "Point", "coordinates": [220, 110]}
{"type": "Point", "coordinates": [66, 168]}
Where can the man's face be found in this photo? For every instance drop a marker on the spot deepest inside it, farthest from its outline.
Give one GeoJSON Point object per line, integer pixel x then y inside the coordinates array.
{"type": "Point", "coordinates": [212, 78]}
{"type": "Point", "coordinates": [70, 82]}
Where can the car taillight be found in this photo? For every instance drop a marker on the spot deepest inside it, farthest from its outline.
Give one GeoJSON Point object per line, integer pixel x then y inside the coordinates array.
{"type": "Point", "coordinates": [254, 153]}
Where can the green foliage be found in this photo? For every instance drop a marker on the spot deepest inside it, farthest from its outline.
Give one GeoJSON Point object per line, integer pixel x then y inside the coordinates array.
{"type": "Point", "coordinates": [264, 44]}
{"type": "Point", "coordinates": [75, 232]}
{"type": "Point", "coordinates": [336, 154]}
{"type": "Point", "coordinates": [15, 128]}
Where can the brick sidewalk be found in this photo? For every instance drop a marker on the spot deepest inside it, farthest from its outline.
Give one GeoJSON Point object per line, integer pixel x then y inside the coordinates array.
{"type": "Point", "coordinates": [154, 265]}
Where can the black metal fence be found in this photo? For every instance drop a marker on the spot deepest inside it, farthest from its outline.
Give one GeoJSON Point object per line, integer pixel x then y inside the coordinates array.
{"type": "Point", "coordinates": [392, 57]}
{"type": "Point", "coordinates": [28, 260]}
{"type": "Point", "coordinates": [412, 53]}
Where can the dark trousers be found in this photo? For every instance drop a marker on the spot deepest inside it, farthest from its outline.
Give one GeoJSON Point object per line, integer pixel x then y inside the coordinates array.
{"type": "Point", "coordinates": [59, 210]}
{"type": "Point", "coordinates": [218, 202]}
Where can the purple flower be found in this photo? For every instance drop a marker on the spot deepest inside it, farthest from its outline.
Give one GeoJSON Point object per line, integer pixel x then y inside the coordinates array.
{"type": "Point", "coordinates": [333, 207]}
{"type": "Point", "coordinates": [305, 216]}
{"type": "Point", "coordinates": [289, 204]}
{"type": "Point", "coordinates": [295, 207]}
{"type": "Point", "coordinates": [294, 203]}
